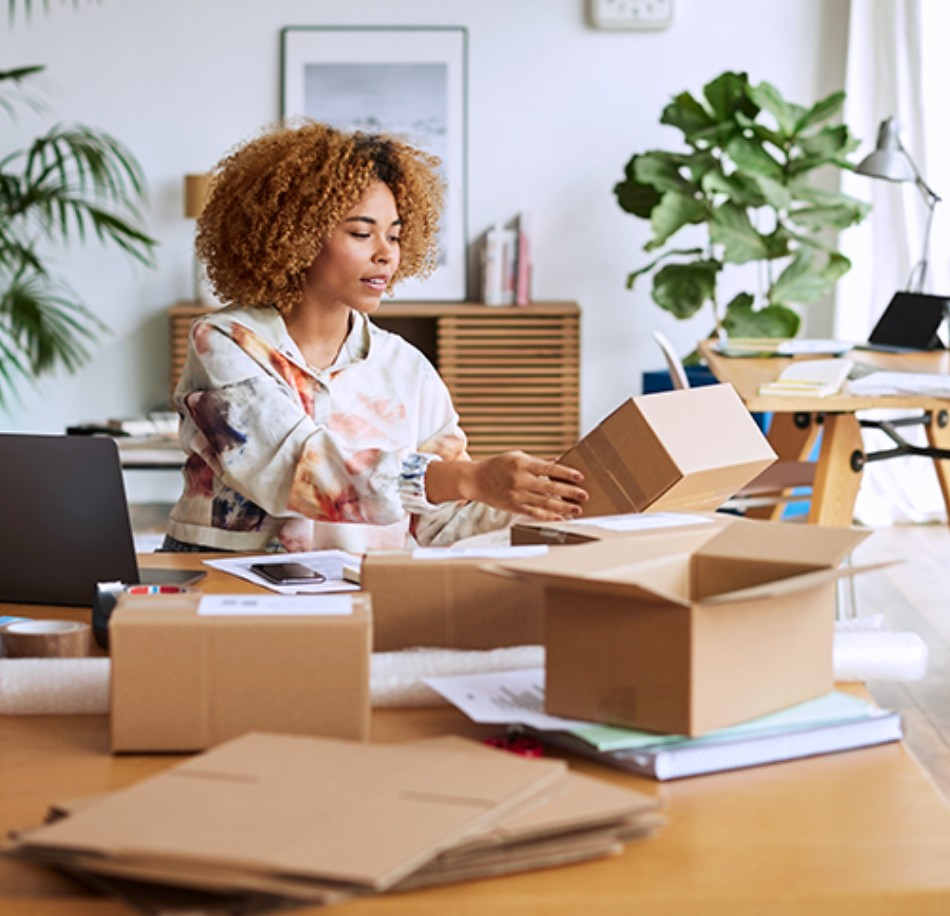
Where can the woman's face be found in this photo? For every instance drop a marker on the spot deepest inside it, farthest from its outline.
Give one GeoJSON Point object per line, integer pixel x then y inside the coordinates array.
{"type": "Point", "coordinates": [357, 263]}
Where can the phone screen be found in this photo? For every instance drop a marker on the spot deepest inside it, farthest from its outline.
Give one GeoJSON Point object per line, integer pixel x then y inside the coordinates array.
{"type": "Point", "coordinates": [288, 573]}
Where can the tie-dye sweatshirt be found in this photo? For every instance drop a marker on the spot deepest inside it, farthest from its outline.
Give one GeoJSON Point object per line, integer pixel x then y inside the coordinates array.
{"type": "Point", "coordinates": [282, 456]}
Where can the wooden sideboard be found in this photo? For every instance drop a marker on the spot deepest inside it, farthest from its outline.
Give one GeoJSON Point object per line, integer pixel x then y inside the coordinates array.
{"type": "Point", "coordinates": [514, 371]}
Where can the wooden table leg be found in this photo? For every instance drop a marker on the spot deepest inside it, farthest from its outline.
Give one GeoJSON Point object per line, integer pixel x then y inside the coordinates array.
{"type": "Point", "coordinates": [793, 437]}
{"type": "Point", "coordinates": [938, 435]}
{"type": "Point", "coordinates": [836, 480]}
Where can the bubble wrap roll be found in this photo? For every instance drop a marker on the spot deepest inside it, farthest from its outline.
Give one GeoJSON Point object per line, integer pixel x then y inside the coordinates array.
{"type": "Point", "coordinates": [879, 655]}
{"type": "Point", "coordinates": [54, 686]}
{"type": "Point", "coordinates": [396, 677]}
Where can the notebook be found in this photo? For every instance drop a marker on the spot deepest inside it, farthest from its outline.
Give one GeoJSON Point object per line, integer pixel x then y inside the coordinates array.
{"type": "Point", "coordinates": [65, 521]}
{"type": "Point", "coordinates": [910, 322]}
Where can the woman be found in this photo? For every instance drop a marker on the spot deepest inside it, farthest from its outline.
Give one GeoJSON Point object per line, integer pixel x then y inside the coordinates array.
{"type": "Point", "coordinates": [305, 425]}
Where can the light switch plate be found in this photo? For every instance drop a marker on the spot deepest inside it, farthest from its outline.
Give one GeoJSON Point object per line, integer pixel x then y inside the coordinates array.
{"type": "Point", "coordinates": [630, 14]}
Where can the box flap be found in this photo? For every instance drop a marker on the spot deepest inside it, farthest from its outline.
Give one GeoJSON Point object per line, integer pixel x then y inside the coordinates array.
{"type": "Point", "coordinates": [783, 542]}
{"type": "Point", "coordinates": [789, 585]}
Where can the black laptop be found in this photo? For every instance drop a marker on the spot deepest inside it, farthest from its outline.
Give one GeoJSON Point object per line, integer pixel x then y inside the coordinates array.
{"type": "Point", "coordinates": [910, 322]}
{"type": "Point", "coordinates": [64, 521]}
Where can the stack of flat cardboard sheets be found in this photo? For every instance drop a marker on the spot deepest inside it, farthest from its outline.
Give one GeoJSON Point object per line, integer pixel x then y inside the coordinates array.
{"type": "Point", "coordinates": [286, 819]}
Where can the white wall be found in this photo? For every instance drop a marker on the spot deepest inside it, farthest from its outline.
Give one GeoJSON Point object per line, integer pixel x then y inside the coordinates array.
{"type": "Point", "coordinates": [556, 108]}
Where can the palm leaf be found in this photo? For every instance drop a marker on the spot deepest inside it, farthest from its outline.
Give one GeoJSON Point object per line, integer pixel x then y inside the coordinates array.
{"type": "Point", "coordinates": [72, 182]}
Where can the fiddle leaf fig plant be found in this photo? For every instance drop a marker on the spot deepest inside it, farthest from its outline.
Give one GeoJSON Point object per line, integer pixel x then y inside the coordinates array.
{"type": "Point", "coordinates": [743, 191]}
{"type": "Point", "coordinates": [70, 183]}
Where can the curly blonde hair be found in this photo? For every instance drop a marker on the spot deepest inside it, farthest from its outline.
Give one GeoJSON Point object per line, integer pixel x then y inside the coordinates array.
{"type": "Point", "coordinates": [274, 202]}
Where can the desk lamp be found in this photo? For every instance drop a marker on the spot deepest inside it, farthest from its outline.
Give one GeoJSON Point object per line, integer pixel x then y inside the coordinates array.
{"type": "Point", "coordinates": [891, 161]}
{"type": "Point", "coordinates": [196, 193]}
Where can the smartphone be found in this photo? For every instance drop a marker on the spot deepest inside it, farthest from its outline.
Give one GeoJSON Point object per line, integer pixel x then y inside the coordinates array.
{"type": "Point", "coordinates": [288, 573]}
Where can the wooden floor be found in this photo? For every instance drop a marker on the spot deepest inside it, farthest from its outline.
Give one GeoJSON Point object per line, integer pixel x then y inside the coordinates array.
{"type": "Point", "coordinates": [914, 594]}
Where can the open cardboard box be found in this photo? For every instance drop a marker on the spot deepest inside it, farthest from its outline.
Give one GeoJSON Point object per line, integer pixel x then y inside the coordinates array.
{"type": "Point", "coordinates": [685, 633]}
{"type": "Point", "coordinates": [443, 598]}
{"type": "Point", "coordinates": [184, 681]}
{"type": "Point", "coordinates": [675, 450]}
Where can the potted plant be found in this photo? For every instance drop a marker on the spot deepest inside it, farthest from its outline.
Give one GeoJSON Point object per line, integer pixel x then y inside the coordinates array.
{"type": "Point", "coordinates": [746, 179]}
{"type": "Point", "coordinates": [71, 182]}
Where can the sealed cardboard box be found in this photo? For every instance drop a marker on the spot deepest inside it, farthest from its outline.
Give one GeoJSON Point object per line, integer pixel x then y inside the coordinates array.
{"type": "Point", "coordinates": [191, 671]}
{"type": "Point", "coordinates": [675, 450]}
{"type": "Point", "coordinates": [443, 598]}
{"type": "Point", "coordinates": [685, 634]}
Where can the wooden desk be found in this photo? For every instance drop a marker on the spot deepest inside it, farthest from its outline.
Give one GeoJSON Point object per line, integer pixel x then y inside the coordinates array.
{"type": "Point", "coordinates": [861, 832]}
{"type": "Point", "coordinates": [796, 423]}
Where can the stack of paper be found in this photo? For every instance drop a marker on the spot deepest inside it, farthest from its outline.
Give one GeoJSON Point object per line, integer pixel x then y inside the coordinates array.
{"type": "Point", "coordinates": [810, 378]}
{"type": "Point", "coordinates": [875, 384]}
{"type": "Point", "coordinates": [298, 819]}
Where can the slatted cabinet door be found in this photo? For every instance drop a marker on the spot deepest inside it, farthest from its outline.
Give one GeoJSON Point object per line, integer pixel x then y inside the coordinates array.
{"type": "Point", "coordinates": [514, 371]}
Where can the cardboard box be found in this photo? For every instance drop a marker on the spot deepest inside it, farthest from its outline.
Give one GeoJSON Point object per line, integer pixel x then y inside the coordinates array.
{"type": "Point", "coordinates": [675, 450]}
{"type": "Point", "coordinates": [688, 633]}
{"type": "Point", "coordinates": [184, 680]}
{"type": "Point", "coordinates": [443, 598]}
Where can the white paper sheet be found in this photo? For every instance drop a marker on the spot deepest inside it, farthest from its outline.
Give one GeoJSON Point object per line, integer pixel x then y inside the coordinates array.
{"type": "Point", "coordinates": [275, 605]}
{"type": "Point", "coordinates": [502, 698]}
{"type": "Point", "coordinates": [640, 521]}
{"type": "Point", "coordinates": [520, 552]}
{"type": "Point", "coordinates": [329, 562]}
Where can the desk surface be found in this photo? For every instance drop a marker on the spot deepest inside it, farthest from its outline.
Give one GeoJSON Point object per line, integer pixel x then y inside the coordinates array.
{"type": "Point", "coordinates": [746, 374]}
{"type": "Point", "coordinates": [864, 832]}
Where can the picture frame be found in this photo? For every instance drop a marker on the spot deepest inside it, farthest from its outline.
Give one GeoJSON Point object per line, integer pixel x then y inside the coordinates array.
{"type": "Point", "coordinates": [405, 80]}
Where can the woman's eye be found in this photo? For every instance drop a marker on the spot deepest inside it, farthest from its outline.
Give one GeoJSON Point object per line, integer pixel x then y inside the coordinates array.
{"type": "Point", "coordinates": [360, 235]}
{"type": "Point", "coordinates": [395, 239]}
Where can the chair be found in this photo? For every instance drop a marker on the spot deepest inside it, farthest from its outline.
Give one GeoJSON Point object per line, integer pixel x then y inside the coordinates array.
{"type": "Point", "coordinates": [777, 484]}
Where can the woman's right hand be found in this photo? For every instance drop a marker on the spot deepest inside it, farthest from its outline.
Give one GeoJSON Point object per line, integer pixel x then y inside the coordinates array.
{"type": "Point", "coordinates": [513, 481]}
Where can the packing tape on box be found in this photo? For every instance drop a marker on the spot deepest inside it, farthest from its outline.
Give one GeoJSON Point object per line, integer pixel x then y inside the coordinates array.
{"type": "Point", "coordinates": [54, 686]}
{"type": "Point", "coordinates": [45, 639]}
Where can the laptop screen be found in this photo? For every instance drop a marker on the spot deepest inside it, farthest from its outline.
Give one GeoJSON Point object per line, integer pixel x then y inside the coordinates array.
{"type": "Point", "coordinates": [66, 521]}
{"type": "Point", "coordinates": [910, 322]}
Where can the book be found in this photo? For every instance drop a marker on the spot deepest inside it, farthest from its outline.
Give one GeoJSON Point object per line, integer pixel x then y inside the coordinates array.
{"type": "Point", "coordinates": [810, 378]}
{"type": "Point", "coordinates": [524, 259]}
{"type": "Point", "coordinates": [694, 757]}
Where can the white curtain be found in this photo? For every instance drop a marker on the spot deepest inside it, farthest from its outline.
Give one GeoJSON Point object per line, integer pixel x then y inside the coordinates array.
{"type": "Point", "coordinates": [897, 66]}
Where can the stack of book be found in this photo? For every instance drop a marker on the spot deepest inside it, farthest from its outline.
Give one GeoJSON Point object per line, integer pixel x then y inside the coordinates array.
{"type": "Point", "coordinates": [834, 722]}
{"type": "Point", "coordinates": [506, 263]}
{"type": "Point", "coordinates": [814, 378]}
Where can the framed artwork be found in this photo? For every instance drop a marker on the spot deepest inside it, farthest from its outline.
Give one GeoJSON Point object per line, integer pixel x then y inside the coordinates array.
{"type": "Point", "coordinates": [410, 82]}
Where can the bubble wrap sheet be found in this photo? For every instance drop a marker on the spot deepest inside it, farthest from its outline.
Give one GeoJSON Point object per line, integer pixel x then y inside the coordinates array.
{"type": "Point", "coordinates": [80, 686]}
{"type": "Point", "coordinates": [54, 686]}
{"type": "Point", "coordinates": [865, 650]}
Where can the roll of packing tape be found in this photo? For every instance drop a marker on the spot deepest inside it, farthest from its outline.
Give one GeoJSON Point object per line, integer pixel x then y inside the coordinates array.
{"type": "Point", "coordinates": [45, 639]}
